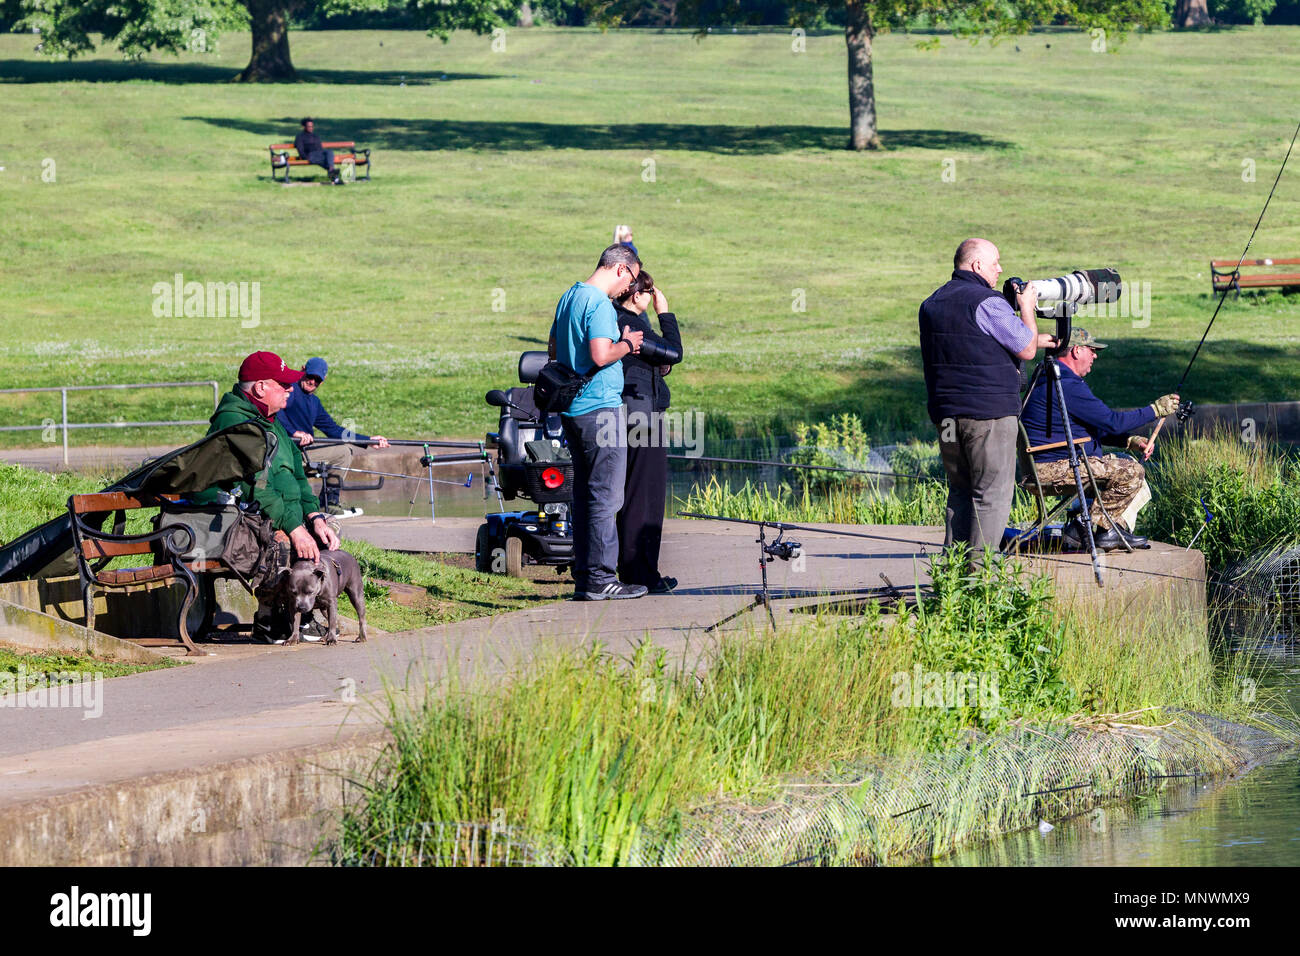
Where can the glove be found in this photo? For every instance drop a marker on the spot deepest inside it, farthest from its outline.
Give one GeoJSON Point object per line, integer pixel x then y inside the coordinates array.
{"type": "Point", "coordinates": [1165, 405]}
{"type": "Point", "coordinates": [1136, 444]}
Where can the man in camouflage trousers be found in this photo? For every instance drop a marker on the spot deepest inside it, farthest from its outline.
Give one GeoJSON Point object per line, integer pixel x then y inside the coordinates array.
{"type": "Point", "coordinates": [1121, 480]}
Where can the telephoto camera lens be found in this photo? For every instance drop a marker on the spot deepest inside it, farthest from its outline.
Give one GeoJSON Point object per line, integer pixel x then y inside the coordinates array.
{"type": "Point", "coordinates": [1080, 287]}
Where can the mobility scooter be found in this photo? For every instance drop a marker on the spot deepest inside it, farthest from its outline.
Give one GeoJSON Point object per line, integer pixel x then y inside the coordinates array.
{"type": "Point", "coordinates": [532, 463]}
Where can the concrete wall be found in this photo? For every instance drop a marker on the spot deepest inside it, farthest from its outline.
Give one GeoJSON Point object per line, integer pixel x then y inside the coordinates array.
{"type": "Point", "coordinates": [1279, 421]}
{"type": "Point", "coordinates": [49, 614]}
{"type": "Point", "coordinates": [269, 810]}
{"type": "Point", "coordinates": [32, 616]}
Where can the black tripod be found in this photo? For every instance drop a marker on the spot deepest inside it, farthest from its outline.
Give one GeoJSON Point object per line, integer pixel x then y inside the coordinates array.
{"type": "Point", "coordinates": [1063, 312]}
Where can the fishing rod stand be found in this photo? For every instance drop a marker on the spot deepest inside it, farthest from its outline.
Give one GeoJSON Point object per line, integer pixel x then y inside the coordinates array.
{"type": "Point", "coordinates": [780, 549]}
{"type": "Point", "coordinates": [784, 550]}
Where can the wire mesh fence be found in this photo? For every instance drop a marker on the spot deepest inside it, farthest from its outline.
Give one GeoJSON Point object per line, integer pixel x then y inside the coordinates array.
{"type": "Point", "coordinates": [883, 811]}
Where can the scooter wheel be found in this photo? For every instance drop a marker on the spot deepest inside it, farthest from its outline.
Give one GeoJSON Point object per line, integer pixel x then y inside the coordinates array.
{"type": "Point", "coordinates": [483, 550]}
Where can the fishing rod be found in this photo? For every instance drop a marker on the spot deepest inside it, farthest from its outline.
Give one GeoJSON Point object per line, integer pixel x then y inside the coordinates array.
{"type": "Point", "coordinates": [791, 464]}
{"type": "Point", "coordinates": [1178, 389]}
{"type": "Point", "coordinates": [783, 526]}
{"type": "Point", "coordinates": [398, 443]}
{"type": "Point", "coordinates": [467, 483]}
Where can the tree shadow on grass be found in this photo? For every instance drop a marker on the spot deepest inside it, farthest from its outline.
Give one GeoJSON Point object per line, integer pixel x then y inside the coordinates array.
{"type": "Point", "coordinates": [431, 134]}
{"type": "Point", "coordinates": [122, 71]}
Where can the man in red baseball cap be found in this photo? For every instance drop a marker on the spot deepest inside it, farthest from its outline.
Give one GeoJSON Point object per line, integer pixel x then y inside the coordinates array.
{"type": "Point", "coordinates": [282, 492]}
{"type": "Point", "coordinates": [261, 366]}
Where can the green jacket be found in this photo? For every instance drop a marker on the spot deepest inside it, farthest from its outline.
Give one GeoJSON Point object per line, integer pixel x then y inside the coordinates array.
{"type": "Point", "coordinates": [282, 490]}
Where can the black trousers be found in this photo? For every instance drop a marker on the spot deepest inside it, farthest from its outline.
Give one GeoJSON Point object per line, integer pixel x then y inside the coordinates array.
{"type": "Point", "coordinates": [641, 519]}
{"type": "Point", "coordinates": [323, 158]}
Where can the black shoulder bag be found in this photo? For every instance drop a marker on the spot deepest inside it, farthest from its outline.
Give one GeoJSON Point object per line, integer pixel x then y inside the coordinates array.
{"type": "Point", "coordinates": [557, 386]}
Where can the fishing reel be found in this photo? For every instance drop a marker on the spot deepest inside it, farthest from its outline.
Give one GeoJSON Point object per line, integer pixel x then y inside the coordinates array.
{"type": "Point", "coordinates": [1185, 411]}
{"type": "Point", "coordinates": [780, 548]}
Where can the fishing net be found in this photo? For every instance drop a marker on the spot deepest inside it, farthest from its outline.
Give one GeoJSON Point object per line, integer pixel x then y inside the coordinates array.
{"type": "Point", "coordinates": [1261, 594]}
{"type": "Point", "coordinates": [919, 807]}
{"type": "Point", "coordinates": [899, 810]}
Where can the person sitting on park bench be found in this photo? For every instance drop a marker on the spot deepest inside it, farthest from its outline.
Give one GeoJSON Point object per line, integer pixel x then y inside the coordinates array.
{"type": "Point", "coordinates": [304, 415]}
{"type": "Point", "coordinates": [1121, 480]}
{"type": "Point", "coordinates": [282, 492]}
{"type": "Point", "coordinates": [308, 145]}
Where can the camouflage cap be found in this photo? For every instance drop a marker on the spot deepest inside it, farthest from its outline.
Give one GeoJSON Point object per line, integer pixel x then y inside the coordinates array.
{"type": "Point", "coordinates": [1079, 336]}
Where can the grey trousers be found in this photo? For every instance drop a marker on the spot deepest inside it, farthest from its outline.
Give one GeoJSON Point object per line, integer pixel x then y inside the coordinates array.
{"type": "Point", "coordinates": [598, 444]}
{"type": "Point", "coordinates": [338, 457]}
{"type": "Point", "coordinates": [981, 466]}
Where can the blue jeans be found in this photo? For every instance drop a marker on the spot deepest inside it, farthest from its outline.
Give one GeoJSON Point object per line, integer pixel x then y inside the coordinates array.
{"type": "Point", "coordinates": [598, 444]}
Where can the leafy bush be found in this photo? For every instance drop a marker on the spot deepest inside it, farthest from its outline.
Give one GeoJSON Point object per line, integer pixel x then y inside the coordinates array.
{"type": "Point", "coordinates": [840, 443]}
{"type": "Point", "coordinates": [988, 622]}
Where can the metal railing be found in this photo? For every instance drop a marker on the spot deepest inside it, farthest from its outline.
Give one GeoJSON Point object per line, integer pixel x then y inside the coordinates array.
{"type": "Point", "coordinates": [66, 425]}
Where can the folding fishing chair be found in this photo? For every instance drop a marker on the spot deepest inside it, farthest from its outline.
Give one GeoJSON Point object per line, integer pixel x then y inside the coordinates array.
{"type": "Point", "coordinates": [1029, 481]}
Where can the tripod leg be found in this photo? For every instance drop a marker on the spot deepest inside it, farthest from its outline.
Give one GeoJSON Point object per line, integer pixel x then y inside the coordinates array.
{"type": "Point", "coordinates": [754, 602]}
{"type": "Point", "coordinates": [1074, 466]}
{"type": "Point", "coordinates": [1092, 479]}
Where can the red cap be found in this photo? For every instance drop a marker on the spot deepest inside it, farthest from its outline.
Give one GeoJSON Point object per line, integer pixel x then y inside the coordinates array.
{"type": "Point", "coordinates": [263, 365]}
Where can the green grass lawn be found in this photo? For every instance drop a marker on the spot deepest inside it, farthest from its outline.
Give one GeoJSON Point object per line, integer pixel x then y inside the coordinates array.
{"type": "Point", "coordinates": [510, 173]}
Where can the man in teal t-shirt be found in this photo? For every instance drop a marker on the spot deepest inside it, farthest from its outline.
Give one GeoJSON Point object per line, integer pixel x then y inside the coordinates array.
{"type": "Point", "coordinates": [585, 336]}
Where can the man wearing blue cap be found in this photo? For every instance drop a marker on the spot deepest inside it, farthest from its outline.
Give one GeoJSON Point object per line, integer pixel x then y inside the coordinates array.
{"type": "Point", "coordinates": [305, 415]}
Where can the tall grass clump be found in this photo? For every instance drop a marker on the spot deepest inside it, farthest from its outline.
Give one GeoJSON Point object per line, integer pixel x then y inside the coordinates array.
{"type": "Point", "coordinates": [1251, 488]}
{"type": "Point", "coordinates": [587, 751]}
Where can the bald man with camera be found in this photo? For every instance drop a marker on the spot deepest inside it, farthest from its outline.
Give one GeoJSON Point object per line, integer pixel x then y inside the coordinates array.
{"type": "Point", "coordinates": [972, 346]}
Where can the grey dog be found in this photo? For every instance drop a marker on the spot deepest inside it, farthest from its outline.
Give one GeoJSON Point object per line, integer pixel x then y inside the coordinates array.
{"type": "Point", "coordinates": [305, 586]}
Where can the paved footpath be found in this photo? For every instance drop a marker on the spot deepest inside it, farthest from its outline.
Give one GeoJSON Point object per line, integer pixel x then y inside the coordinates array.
{"type": "Point", "coordinates": [250, 700]}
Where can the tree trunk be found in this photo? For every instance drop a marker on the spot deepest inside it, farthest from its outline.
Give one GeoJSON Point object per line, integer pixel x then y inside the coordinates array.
{"type": "Point", "coordinates": [1191, 13]}
{"type": "Point", "coordinates": [858, 32]}
{"type": "Point", "coordinates": [269, 20]}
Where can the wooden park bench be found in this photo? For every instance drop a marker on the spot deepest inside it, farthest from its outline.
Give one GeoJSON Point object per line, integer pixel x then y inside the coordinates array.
{"type": "Point", "coordinates": [1224, 274]}
{"type": "Point", "coordinates": [95, 548]}
{"type": "Point", "coordinates": [284, 158]}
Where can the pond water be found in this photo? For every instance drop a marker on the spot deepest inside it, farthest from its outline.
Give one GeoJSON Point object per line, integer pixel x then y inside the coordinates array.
{"type": "Point", "coordinates": [1250, 820]}
{"type": "Point", "coordinates": [458, 490]}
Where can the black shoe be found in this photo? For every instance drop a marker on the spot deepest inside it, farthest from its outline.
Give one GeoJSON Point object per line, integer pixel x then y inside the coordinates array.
{"type": "Point", "coordinates": [1134, 540]}
{"type": "Point", "coordinates": [663, 586]}
{"type": "Point", "coordinates": [1073, 536]}
{"type": "Point", "coordinates": [613, 591]}
{"type": "Point", "coordinates": [1112, 539]}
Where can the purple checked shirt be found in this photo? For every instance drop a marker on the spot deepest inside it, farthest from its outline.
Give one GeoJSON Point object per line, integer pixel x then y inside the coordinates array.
{"type": "Point", "coordinates": [995, 317]}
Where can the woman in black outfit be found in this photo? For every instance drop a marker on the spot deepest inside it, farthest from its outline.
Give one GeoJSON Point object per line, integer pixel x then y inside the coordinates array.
{"type": "Point", "coordinates": [645, 398]}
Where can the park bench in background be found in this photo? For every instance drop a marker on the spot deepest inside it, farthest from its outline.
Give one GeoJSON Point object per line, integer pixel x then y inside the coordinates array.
{"type": "Point", "coordinates": [95, 548]}
{"type": "Point", "coordinates": [284, 158]}
{"type": "Point", "coordinates": [1224, 274]}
